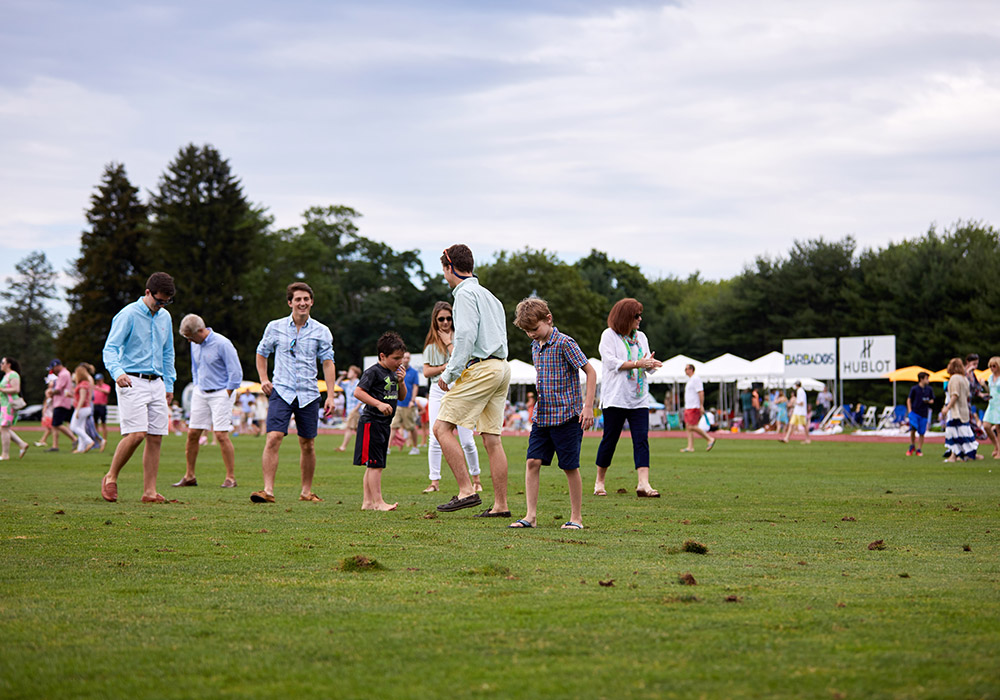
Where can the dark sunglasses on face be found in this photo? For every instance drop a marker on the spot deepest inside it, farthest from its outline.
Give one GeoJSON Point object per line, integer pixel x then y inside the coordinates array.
{"type": "Point", "coordinates": [638, 316]}
{"type": "Point", "coordinates": [442, 319]}
{"type": "Point", "coordinates": [163, 302]}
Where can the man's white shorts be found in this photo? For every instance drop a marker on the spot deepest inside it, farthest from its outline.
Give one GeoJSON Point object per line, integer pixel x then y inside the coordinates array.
{"type": "Point", "coordinates": [211, 410]}
{"type": "Point", "coordinates": [142, 407]}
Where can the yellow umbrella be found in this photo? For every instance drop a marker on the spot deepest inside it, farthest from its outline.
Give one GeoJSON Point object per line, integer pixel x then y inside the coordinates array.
{"type": "Point", "coordinates": [322, 387]}
{"type": "Point", "coordinates": [252, 387]}
{"type": "Point", "coordinates": [983, 374]}
{"type": "Point", "coordinates": [940, 376]}
{"type": "Point", "coordinates": [906, 374]}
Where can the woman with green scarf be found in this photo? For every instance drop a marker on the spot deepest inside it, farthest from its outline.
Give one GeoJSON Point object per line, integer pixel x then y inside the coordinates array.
{"type": "Point", "coordinates": [626, 361]}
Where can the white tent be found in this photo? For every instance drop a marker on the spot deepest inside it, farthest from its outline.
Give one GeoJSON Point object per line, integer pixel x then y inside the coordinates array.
{"type": "Point", "coordinates": [725, 368]}
{"type": "Point", "coordinates": [594, 362]}
{"type": "Point", "coordinates": [769, 370]}
{"type": "Point", "coordinates": [672, 370]}
{"type": "Point", "coordinates": [521, 372]}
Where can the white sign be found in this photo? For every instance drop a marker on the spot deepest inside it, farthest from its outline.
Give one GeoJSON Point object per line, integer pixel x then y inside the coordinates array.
{"type": "Point", "coordinates": [810, 357]}
{"type": "Point", "coordinates": [867, 356]}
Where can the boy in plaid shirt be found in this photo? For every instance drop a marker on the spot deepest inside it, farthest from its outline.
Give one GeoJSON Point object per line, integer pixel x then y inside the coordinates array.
{"type": "Point", "coordinates": [560, 415]}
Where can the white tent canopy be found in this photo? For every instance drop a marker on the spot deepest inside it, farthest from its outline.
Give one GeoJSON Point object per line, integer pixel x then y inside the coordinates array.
{"type": "Point", "coordinates": [673, 370]}
{"type": "Point", "coordinates": [725, 368]}
{"type": "Point", "coordinates": [769, 370]}
{"type": "Point", "coordinates": [521, 372]}
{"type": "Point", "coordinates": [594, 362]}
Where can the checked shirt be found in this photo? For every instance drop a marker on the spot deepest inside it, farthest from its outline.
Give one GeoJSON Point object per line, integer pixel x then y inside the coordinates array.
{"type": "Point", "coordinates": [557, 362]}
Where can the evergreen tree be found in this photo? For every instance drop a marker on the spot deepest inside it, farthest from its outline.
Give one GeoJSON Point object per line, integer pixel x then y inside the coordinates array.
{"type": "Point", "coordinates": [207, 236]}
{"type": "Point", "coordinates": [27, 326]}
{"type": "Point", "coordinates": [112, 269]}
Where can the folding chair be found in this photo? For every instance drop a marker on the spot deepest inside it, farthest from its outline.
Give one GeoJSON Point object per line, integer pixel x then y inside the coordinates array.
{"type": "Point", "coordinates": [869, 420]}
{"type": "Point", "coordinates": [887, 418]}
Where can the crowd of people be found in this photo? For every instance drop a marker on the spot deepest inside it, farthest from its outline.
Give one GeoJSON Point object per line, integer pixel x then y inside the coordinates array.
{"type": "Point", "coordinates": [465, 353]}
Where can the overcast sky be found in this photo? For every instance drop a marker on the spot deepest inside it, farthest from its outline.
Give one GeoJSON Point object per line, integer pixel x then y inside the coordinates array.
{"type": "Point", "coordinates": [682, 137]}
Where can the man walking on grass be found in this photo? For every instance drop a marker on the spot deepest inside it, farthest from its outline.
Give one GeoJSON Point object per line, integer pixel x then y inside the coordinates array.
{"type": "Point", "coordinates": [476, 401]}
{"type": "Point", "coordinates": [139, 354]}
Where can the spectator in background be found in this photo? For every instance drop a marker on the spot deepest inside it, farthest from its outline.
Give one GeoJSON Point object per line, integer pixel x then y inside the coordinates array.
{"type": "Point", "coordinates": [405, 417]}
{"type": "Point", "coordinates": [352, 404]}
{"type": "Point", "coordinates": [82, 408]}
{"type": "Point", "coordinates": [992, 418]}
{"type": "Point", "coordinates": [959, 439]}
{"type": "Point", "coordinates": [919, 405]}
{"type": "Point", "coordinates": [102, 392]}
{"type": "Point", "coordinates": [10, 393]}
{"type": "Point", "coordinates": [825, 400]}
{"type": "Point", "coordinates": [800, 415]}
{"type": "Point", "coordinates": [694, 408]}
{"type": "Point", "coordinates": [62, 403]}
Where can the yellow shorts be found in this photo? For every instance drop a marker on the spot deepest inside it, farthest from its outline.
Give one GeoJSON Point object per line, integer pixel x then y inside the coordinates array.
{"type": "Point", "coordinates": [405, 418]}
{"type": "Point", "coordinates": [799, 420]}
{"type": "Point", "coordinates": [477, 399]}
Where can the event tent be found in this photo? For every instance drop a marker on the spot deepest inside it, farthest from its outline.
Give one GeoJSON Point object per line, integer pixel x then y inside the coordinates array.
{"type": "Point", "coordinates": [521, 372]}
{"type": "Point", "coordinates": [672, 370]}
{"type": "Point", "coordinates": [725, 368]}
{"type": "Point", "coordinates": [769, 370]}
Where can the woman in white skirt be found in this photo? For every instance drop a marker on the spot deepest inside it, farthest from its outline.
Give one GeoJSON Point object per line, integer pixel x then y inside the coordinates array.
{"type": "Point", "coordinates": [437, 351]}
{"type": "Point", "coordinates": [959, 440]}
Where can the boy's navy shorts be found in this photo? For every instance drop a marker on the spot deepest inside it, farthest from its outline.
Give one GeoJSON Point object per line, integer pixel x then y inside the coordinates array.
{"type": "Point", "coordinates": [279, 415]}
{"type": "Point", "coordinates": [371, 446]}
{"type": "Point", "coordinates": [562, 440]}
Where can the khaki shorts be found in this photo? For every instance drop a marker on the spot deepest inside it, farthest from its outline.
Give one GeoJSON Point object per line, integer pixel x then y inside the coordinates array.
{"type": "Point", "coordinates": [799, 420]}
{"type": "Point", "coordinates": [405, 418]}
{"type": "Point", "coordinates": [477, 399]}
{"type": "Point", "coordinates": [352, 418]}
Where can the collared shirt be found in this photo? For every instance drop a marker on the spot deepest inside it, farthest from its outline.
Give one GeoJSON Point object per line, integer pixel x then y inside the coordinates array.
{"type": "Point", "coordinates": [557, 363]}
{"type": "Point", "coordinates": [350, 401]}
{"type": "Point", "coordinates": [215, 364]}
{"type": "Point", "coordinates": [480, 327]}
{"type": "Point", "coordinates": [618, 389]}
{"type": "Point", "coordinates": [62, 390]}
{"type": "Point", "coordinates": [141, 342]}
{"type": "Point", "coordinates": [101, 392]}
{"type": "Point", "coordinates": [296, 351]}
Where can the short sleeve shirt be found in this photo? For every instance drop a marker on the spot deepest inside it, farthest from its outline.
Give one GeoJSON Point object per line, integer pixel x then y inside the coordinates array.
{"type": "Point", "coordinates": [379, 383]}
{"type": "Point", "coordinates": [918, 403]}
{"type": "Point", "coordinates": [557, 362]}
{"type": "Point", "coordinates": [694, 385]}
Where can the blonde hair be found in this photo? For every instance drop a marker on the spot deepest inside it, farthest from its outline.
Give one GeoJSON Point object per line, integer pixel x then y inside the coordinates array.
{"type": "Point", "coordinates": [80, 374]}
{"type": "Point", "coordinates": [432, 333]}
{"type": "Point", "coordinates": [530, 312]}
{"type": "Point", "coordinates": [994, 362]}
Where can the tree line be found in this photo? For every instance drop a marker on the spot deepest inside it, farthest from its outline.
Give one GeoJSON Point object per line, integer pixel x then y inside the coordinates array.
{"type": "Point", "coordinates": [231, 266]}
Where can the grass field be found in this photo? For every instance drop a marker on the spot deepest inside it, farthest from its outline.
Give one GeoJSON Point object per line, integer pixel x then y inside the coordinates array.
{"type": "Point", "coordinates": [216, 597]}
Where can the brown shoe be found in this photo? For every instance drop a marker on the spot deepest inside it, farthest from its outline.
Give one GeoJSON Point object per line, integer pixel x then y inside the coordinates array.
{"type": "Point", "coordinates": [186, 482]}
{"type": "Point", "coordinates": [158, 498]}
{"type": "Point", "coordinates": [312, 498]}
{"type": "Point", "coordinates": [228, 484]}
{"type": "Point", "coordinates": [109, 491]}
{"type": "Point", "coordinates": [261, 497]}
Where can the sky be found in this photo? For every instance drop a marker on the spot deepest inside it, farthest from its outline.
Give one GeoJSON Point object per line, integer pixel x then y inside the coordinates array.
{"type": "Point", "coordinates": [683, 137]}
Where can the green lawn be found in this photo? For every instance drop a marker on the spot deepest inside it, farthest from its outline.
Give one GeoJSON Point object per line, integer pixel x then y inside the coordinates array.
{"type": "Point", "coordinates": [216, 597]}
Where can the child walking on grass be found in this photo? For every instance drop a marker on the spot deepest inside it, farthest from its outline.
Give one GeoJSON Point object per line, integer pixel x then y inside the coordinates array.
{"type": "Point", "coordinates": [560, 415]}
{"type": "Point", "coordinates": [380, 388]}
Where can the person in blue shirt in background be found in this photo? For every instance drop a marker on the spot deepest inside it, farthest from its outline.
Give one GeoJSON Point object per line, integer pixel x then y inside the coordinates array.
{"type": "Point", "coordinates": [139, 354]}
{"type": "Point", "coordinates": [297, 341]}
{"type": "Point", "coordinates": [406, 410]}
{"type": "Point", "coordinates": [216, 373]}
{"type": "Point", "coordinates": [919, 405]}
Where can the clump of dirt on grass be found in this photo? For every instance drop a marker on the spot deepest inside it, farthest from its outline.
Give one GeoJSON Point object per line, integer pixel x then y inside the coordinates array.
{"type": "Point", "coordinates": [489, 570]}
{"type": "Point", "coordinates": [681, 599]}
{"type": "Point", "coordinates": [621, 491]}
{"type": "Point", "coordinates": [848, 519]}
{"type": "Point", "coordinates": [687, 579]}
{"type": "Point", "coordinates": [607, 584]}
{"type": "Point", "coordinates": [877, 544]}
{"type": "Point", "coordinates": [966, 548]}
{"type": "Point", "coordinates": [694, 547]}
{"type": "Point", "coordinates": [904, 575]}
{"type": "Point", "coordinates": [733, 599]}
{"type": "Point", "coordinates": [359, 562]}
{"type": "Point", "coordinates": [430, 515]}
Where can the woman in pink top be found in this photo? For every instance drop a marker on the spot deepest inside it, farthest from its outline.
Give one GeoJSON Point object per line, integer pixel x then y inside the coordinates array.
{"type": "Point", "coordinates": [82, 408]}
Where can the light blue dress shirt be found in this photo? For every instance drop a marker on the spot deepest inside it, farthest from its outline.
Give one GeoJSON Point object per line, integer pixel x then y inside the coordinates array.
{"type": "Point", "coordinates": [480, 327]}
{"type": "Point", "coordinates": [296, 351]}
{"type": "Point", "coordinates": [215, 364]}
{"type": "Point", "coordinates": [141, 342]}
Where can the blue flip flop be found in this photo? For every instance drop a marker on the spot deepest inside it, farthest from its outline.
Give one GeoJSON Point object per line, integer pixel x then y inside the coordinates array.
{"type": "Point", "coordinates": [570, 525]}
{"type": "Point", "coordinates": [524, 524]}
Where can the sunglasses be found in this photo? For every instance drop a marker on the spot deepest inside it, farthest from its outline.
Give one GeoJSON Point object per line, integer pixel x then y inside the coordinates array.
{"type": "Point", "coordinates": [163, 302]}
{"type": "Point", "coordinates": [291, 346]}
{"type": "Point", "coordinates": [638, 316]}
{"type": "Point", "coordinates": [442, 319]}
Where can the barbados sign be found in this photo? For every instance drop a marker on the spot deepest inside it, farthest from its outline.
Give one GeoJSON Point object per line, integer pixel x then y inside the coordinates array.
{"type": "Point", "coordinates": [810, 357]}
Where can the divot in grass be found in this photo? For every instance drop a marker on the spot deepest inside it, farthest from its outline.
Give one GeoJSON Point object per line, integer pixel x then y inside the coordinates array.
{"type": "Point", "coordinates": [694, 547]}
{"type": "Point", "coordinates": [359, 563]}
{"type": "Point", "coordinates": [687, 579]}
{"type": "Point", "coordinates": [877, 544]}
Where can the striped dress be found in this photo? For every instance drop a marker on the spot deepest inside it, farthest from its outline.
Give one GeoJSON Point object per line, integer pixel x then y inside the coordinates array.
{"type": "Point", "coordinates": [959, 439]}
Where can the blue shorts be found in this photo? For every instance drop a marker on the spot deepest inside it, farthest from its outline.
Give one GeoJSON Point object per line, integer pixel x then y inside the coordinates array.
{"type": "Point", "coordinates": [279, 414]}
{"type": "Point", "coordinates": [562, 440]}
{"type": "Point", "coordinates": [918, 422]}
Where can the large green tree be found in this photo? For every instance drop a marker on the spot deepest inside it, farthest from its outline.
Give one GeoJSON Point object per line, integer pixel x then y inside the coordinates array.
{"type": "Point", "coordinates": [208, 236]}
{"type": "Point", "coordinates": [576, 309]}
{"type": "Point", "coordinates": [112, 269]}
{"type": "Point", "coordinates": [27, 325]}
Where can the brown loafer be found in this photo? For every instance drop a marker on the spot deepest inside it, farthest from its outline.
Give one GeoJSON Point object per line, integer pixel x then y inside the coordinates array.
{"type": "Point", "coordinates": [228, 484]}
{"type": "Point", "coordinates": [109, 490]}
{"type": "Point", "coordinates": [261, 497]}
{"type": "Point", "coordinates": [186, 482]}
{"type": "Point", "coordinates": [312, 498]}
{"type": "Point", "coordinates": [158, 498]}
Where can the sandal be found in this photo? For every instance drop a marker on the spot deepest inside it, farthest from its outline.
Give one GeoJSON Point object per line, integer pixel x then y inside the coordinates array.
{"type": "Point", "coordinates": [570, 525]}
{"type": "Point", "coordinates": [312, 498]}
{"type": "Point", "coordinates": [431, 489]}
{"type": "Point", "coordinates": [520, 524]}
{"type": "Point", "coordinates": [600, 492]}
{"type": "Point", "coordinates": [261, 497]}
{"type": "Point", "coordinates": [650, 493]}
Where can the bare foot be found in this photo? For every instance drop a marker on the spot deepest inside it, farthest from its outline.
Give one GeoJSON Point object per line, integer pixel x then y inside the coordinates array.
{"type": "Point", "coordinates": [385, 506]}
{"type": "Point", "coordinates": [687, 449]}
{"type": "Point", "coordinates": [341, 448]}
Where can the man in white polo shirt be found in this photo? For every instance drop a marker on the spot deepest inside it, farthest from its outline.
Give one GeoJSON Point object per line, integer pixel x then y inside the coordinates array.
{"type": "Point", "coordinates": [216, 373]}
{"type": "Point", "coordinates": [694, 408]}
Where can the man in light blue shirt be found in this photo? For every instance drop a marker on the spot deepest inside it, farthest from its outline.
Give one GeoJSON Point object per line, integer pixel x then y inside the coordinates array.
{"type": "Point", "coordinates": [139, 354]}
{"type": "Point", "coordinates": [216, 374]}
{"type": "Point", "coordinates": [479, 368]}
{"type": "Point", "coordinates": [297, 342]}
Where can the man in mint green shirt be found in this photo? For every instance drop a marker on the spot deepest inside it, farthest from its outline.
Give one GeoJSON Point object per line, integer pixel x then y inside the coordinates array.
{"type": "Point", "coordinates": [479, 368]}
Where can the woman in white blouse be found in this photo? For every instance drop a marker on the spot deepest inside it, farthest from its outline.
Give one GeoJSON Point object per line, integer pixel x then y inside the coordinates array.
{"type": "Point", "coordinates": [437, 352]}
{"type": "Point", "coordinates": [626, 360]}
